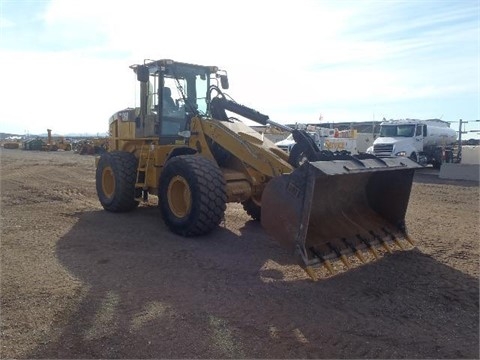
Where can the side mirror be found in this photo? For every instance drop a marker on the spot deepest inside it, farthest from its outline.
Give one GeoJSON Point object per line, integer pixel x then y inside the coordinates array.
{"type": "Point", "coordinates": [224, 82]}
{"type": "Point", "coordinates": [143, 74]}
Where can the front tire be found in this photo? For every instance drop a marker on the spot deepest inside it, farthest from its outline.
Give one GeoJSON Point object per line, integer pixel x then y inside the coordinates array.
{"type": "Point", "coordinates": [413, 157]}
{"type": "Point", "coordinates": [192, 195]}
{"type": "Point", "coordinates": [115, 181]}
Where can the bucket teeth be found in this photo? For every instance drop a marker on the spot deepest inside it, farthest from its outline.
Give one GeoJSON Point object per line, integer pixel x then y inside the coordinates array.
{"type": "Point", "coordinates": [386, 247]}
{"type": "Point", "coordinates": [370, 247]}
{"type": "Point", "coordinates": [329, 267]}
{"type": "Point", "coordinates": [374, 252]}
{"type": "Point", "coordinates": [339, 249]}
{"type": "Point", "coordinates": [396, 240]}
{"type": "Point", "coordinates": [311, 273]}
{"type": "Point", "coordinates": [399, 244]}
{"type": "Point", "coordinates": [355, 250]}
{"type": "Point", "coordinates": [382, 242]}
{"type": "Point", "coordinates": [341, 256]}
{"type": "Point", "coordinates": [409, 239]}
{"type": "Point", "coordinates": [360, 257]}
{"type": "Point", "coordinates": [325, 262]}
{"type": "Point", "coordinates": [345, 261]}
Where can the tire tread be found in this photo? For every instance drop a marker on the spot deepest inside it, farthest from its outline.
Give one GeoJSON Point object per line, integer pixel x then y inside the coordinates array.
{"type": "Point", "coordinates": [124, 166]}
{"type": "Point", "coordinates": [208, 181]}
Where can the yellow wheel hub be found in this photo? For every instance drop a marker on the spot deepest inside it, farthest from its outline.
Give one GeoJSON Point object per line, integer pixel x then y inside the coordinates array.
{"type": "Point", "coordinates": [179, 197]}
{"type": "Point", "coordinates": [108, 182]}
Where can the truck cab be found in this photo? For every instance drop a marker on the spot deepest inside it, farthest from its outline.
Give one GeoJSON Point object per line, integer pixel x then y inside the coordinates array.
{"type": "Point", "coordinates": [399, 139]}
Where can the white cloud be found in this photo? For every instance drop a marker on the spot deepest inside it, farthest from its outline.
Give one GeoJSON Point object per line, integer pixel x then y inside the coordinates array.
{"type": "Point", "coordinates": [5, 23]}
{"type": "Point", "coordinates": [291, 60]}
{"type": "Point", "coordinates": [65, 91]}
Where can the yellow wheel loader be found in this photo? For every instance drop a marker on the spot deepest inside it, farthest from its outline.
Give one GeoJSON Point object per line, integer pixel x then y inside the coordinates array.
{"type": "Point", "coordinates": [185, 144]}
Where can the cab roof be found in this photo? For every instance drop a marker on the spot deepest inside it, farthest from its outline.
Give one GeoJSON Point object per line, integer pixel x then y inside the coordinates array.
{"type": "Point", "coordinates": [154, 65]}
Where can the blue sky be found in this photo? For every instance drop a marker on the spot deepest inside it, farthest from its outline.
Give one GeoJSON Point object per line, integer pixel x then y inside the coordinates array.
{"type": "Point", "coordinates": [64, 63]}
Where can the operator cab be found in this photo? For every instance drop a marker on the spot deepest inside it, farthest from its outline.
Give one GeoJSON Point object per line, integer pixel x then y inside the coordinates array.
{"type": "Point", "coordinates": [171, 93]}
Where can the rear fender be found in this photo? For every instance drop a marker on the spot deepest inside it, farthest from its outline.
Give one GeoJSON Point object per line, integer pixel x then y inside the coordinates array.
{"type": "Point", "coordinates": [184, 150]}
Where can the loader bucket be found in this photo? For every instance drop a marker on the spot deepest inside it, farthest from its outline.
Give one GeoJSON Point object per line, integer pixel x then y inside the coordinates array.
{"type": "Point", "coordinates": [327, 210]}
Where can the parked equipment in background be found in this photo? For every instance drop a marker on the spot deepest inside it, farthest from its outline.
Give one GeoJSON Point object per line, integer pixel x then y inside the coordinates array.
{"type": "Point", "coordinates": [187, 146]}
{"type": "Point", "coordinates": [91, 146]}
{"type": "Point", "coordinates": [50, 144]}
{"type": "Point", "coordinates": [33, 144]}
{"type": "Point", "coordinates": [326, 139]}
{"type": "Point", "coordinates": [11, 145]}
{"type": "Point", "coordinates": [57, 143]}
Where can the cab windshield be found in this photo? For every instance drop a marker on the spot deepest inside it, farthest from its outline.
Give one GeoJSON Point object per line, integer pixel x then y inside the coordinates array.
{"type": "Point", "coordinates": [397, 130]}
{"type": "Point", "coordinates": [182, 95]}
{"type": "Point", "coordinates": [188, 86]}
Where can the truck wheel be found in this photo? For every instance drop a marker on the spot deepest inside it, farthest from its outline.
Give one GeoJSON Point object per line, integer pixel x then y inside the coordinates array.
{"type": "Point", "coordinates": [413, 157]}
{"type": "Point", "coordinates": [192, 195]}
{"type": "Point", "coordinates": [437, 158]}
{"type": "Point", "coordinates": [449, 156]}
{"type": "Point", "coordinates": [115, 181]}
{"type": "Point", "coordinates": [253, 209]}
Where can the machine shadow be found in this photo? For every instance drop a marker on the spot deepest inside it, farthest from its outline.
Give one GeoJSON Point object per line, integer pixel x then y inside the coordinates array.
{"type": "Point", "coordinates": [433, 178]}
{"type": "Point", "coordinates": [147, 293]}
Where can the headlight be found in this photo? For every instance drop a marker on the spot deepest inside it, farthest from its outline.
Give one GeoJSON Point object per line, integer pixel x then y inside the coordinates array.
{"type": "Point", "coordinates": [401, 153]}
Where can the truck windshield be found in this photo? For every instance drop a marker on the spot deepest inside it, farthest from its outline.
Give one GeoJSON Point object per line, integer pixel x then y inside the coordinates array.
{"type": "Point", "coordinates": [397, 130]}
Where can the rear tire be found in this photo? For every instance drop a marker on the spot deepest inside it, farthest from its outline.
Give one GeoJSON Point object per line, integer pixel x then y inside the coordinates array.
{"type": "Point", "coordinates": [192, 195]}
{"type": "Point", "coordinates": [438, 158]}
{"type": "Point", "coordinates": [115, 181]}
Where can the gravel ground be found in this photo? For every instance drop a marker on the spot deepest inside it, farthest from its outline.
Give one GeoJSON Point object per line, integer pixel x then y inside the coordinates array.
{"type": "Point", "coordinates": [78, 282]}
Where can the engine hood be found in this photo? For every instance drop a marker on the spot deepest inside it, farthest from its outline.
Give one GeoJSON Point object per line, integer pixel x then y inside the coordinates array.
{"type": "Point", "coordinates": [398, 142]}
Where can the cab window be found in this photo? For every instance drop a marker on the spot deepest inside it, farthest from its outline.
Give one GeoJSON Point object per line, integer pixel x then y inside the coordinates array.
{"type": "Point", "coordinates": [173, 106]}
{"type": "Point", "coordinates": [419, 130]}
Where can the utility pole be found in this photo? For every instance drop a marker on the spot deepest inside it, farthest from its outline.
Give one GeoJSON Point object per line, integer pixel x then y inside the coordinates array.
{"type": "Point", "coordinates": [373, 126]}
{"type": "Point", "coordinates": [460, 130]}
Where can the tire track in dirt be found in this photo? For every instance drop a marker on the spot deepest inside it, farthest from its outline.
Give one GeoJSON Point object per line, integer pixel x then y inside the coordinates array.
{"type": "Point", "coordinates": [121, 286]}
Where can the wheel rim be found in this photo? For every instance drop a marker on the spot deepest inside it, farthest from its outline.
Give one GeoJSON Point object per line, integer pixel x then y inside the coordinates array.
{"type": "Point", "coordinates": [108, 182]}
{"type": "Point", "coordinates": [179, 196]}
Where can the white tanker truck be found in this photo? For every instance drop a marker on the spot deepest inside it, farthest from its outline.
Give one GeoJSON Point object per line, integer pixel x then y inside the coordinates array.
{"type": "Point", "coordinates": [424, 141]}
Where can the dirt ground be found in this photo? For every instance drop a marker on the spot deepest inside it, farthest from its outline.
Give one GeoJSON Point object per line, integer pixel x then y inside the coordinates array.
{"type": "Point", "coordinates": [78, 282]}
